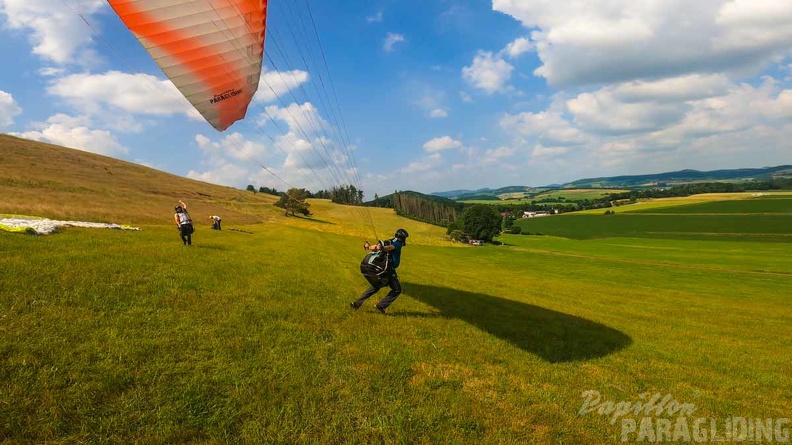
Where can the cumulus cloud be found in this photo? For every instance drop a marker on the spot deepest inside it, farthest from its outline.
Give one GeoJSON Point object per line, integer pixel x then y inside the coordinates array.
{"type": "Point", "coordinates": [489, 72]}
{"type": "Point", "coordinates": [301, 119]}
{"type": "Point", "coordinates": [417, 166]}
{"type": "Point", "coordinates": [540, 151]}
{"type": "Point", "coordinates": [276, 84]}
{"type": "Point", "coordinates": [74, 132]}
{"type": "Point", "coordinates": [308, 149]}
{"type": "Point", "coordinates": [133, 93]}
{"type": "Point", "coordinates": [8, 109]}
{"type": "Point", "coordinates": [438, 113]}
{"type": "Point", "coordinates": [234, 146]}
{"type": "Point", "coordinates": [143, 94]}
{"type": "Point", "coordinates": [57, 33]}
{"type": "Point", "coordinates": [442, 143]}
{"type": "Point", "coordinates": [497, 154]}
{"type": "Point", "coordinates": [237, 160]}
{"type": "Point", "coordinates": [547, 127]}
{"type": "Point", "coordinates": [518, 47]}
{"type": "Point", "coordinates": [222, 173]}
{"type": "Point", "coordinates": [391, 40]}
{"type": "Point", "coordinates": [603, 41]}
{"type": "Point", "coordinates": [602, 112]}
{"type": "Point", "coordinates": [692, 121]}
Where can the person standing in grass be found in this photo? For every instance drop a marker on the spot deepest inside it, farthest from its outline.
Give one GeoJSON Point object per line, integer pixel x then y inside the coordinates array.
{"type": "Point", "coordinates": [391, 279]}
{"type": "Point", "coordinates": [184, 223]}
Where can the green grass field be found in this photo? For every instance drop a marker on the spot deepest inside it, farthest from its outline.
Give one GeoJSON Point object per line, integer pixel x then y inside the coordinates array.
{"type": "Point", "coordinates": [778, 204]}
{"type": "Point", "coordinates": [578, 194]}
{"type": "Point", "coordinates": [130, 337]}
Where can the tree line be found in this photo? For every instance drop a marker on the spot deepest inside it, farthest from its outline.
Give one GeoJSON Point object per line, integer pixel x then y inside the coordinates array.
{"type": "Point", "coordinates": [431, 209]}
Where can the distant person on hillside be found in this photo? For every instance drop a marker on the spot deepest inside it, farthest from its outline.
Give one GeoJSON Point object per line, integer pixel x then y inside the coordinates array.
{"type": "Point", "coordinates": [184, 223]}
{"type": "Point", "coordinates": [216, 222]}
{"type": "Point", "coordinates": [392, 248]}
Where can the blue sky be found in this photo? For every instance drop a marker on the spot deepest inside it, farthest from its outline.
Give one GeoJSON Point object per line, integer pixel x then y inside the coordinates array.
{"type": "Point", "coordinates": [434, 95]}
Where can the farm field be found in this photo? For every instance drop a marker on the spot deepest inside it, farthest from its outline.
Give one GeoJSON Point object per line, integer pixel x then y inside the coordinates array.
{"type": "Point", "coordinates": [764, 205]}
{"type": "Point", "coordinates": [765, 219]}
{"type": "Point", "coordinates": [659, 203]}
{"type": "Point", "coordinates": [578, 194]}
{"type": "Point", "coordinates": [130, 337]}
{"type": "Point", "coordinates": [771, 228]}
{"type": "Point", "coordinates": [498, 201]}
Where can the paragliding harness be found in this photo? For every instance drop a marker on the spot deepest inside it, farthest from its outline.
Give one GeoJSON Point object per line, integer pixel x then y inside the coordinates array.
{"type": "Point", "coordinates": [376, 267]}
{"type": "Point", "coordinates": [185, 222]}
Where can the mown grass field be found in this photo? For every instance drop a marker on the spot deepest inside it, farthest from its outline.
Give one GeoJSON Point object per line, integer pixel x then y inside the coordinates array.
{"type": "Point", "coordinates": [766, 219]}
{"type": "Point", "coordinates": [569, 195]}
{"type": "Point", "coordinates": [780, 204]}
{"type": "Point", "coordinates": [578, 194]}
{"type": "Point", "coordinates": [519, 201]}
{"type": "Point", "coordinates": [130, 337]}
{"type": "Point", "coordinates": [662, 203]}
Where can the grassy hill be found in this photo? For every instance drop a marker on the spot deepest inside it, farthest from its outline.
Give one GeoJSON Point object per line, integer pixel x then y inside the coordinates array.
{"type": "Point", "coordinates": [45, 180]}
{"type": "Point", "coordinates": [130, 337]}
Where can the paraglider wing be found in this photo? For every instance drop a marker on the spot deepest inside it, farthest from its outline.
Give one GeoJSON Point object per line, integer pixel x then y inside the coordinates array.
{"type": "Point", "coordinates": [210, 49]}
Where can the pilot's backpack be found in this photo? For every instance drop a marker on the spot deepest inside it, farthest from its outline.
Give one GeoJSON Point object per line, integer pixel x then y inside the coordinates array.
{"type": "Point", "coordinates": [375, 266]}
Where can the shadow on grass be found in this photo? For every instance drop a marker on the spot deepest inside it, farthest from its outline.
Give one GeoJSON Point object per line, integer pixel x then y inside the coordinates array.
{"type": "Point", "coordinates": [312, 219]}
{"type": "Point", "coordinates": [212, 247]}
{"type": "Point", "coordinates": [553, 336]}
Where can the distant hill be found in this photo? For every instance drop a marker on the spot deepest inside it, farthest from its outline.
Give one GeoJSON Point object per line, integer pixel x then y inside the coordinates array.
{"type": "Point", "coordinates": [683, 176]}
{"type": "Point", "coordinates": [469, 194]}
{"type": "Point", "coordinates": [38, 179]}
{"type": "Point", "coordinates": [387, 200]}
{"type": "Point", "coordinates": [638, 181]}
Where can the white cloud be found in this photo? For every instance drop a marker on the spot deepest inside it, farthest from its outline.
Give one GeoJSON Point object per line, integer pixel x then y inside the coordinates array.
{"type": "Point", "coordinates": [309, 152]}
{"type": "Point", "coordinates": [603, 41]}
{"type": "Point", "coordinates": [465, 96]}
{"type": "Point", "coordinates": [134, 93]}
{"type": "Point", "coordinates": [301, 119]}
{"type": "Point", "coordinates": [223, 173]}
{"type": "Point", "coordinates": [547, 127]}
{"type": "Point", "coordinates": [275, 84]}
{"type": "Point", "coordinates": [58, 34]}
{"type": "Point", "coordinates": [674, 89]}
{"type": "Point", "coordinates": [118, 97]}
{"type": "Point", "coordinates": [8, 109]}
{"type": "Point", "coordinates": [52, 71]}
{"type": "Point", "coordinates": [438, 113]}
{"type": "Point", "coordinates": [497, 154]}
{"type": "Point", "coordinates": [540, 151]}
{"type": "Point", "coordinates": [442, 143]}
{"type": "Point", "coordinates": [488, 72]}
{"type": "Point", "coordinates": [602, 112]}
{"type": "Point", "coordinates": [518, 47]}
{"type": "Point", "coordinates": [237, 161]}
{"type": "Point", "coordinates": [376, 18]}
{"type": "Point", "coordinates": [392, 39]}
{"type": "Point", "coordinates": [74, 132]}
{"type": "Point", "coordinates": [417, 166]}
{"type": "Point", "coordinates": [234, 146]}
{"type": "Point", "coordinates": [694, 121]}
{"type": "Point", "coordinates": [643, 106]}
